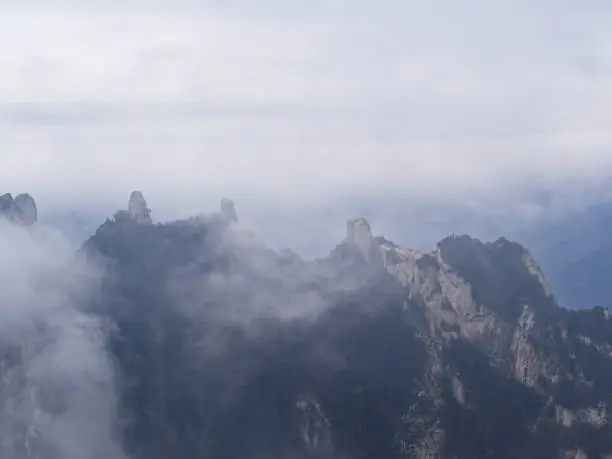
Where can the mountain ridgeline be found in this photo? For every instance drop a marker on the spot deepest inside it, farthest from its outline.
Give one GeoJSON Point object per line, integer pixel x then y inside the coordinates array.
{"type": "Point", "coordinates": [226, 349]}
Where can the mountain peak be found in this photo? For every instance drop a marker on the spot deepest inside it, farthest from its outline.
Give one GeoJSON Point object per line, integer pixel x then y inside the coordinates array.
{"type": "Point", "coordinates": [138, 209]}
{"type": "Point", "coordinates": [359, 235]}
{"type": "Point", "coordinates": [228, 210]}
{"type": "Point", "coordinates": [20, 209]}
{"type": "Point", "coordinates": [500, 273]}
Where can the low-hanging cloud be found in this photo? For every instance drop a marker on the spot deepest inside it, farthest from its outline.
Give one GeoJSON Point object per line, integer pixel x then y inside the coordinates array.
{"type": "Point", "coordinates": [253, 282]}
{"type": "Point", "coordinates": [57, 392]}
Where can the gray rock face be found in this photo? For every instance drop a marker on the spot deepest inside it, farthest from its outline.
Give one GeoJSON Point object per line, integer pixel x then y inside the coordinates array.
{"type": "Point", "coordinates": [359, 234]}
{"type": "Point", "coordinates": [6, 202]}
{"type": "Point", "coordinates": [495, 297]}
{"type": "Point", "coordinates": [138, 209]}
{"type": "Point", "coordinates": [26, 209]}
{"type": "Point", "coordinates": [315, 428]}
{"type": "Point", "coordinates": [21, 209]}
{"type": "Point", "coordinates": [359, 237]}
{"type": "Point", "coordinates": [228, 210]}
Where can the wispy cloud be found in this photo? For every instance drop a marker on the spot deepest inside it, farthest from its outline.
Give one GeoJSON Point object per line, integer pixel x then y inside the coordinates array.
{"type": "Point", "coordinates": [57, 394]}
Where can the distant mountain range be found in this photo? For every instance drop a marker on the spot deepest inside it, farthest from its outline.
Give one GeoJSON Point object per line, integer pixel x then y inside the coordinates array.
{"type": "Point", "coordinates": [575, 252]}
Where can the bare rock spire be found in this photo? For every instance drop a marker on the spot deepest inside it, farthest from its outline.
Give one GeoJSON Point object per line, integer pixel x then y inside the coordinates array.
{"type": "Point", "coordinates": [228, 210]}
{"type": "Point", "coordinates": [138, 209]}
{"type": "Point", "coordinates": [359, 235]}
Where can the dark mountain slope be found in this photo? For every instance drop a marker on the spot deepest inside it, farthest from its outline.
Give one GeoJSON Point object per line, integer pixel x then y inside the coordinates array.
{"type": "Point", "coordinates": [227, 349]}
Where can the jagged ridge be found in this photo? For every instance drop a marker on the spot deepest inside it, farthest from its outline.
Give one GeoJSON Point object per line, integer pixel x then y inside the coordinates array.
{"type": "Point", "coordinates": [227, 349]}
{"type": "Point", "coordinates": [483, 361]}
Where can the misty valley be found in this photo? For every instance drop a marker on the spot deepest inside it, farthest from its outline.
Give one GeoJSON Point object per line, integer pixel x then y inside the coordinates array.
{"type": "Point", "coordinates": [193, 339]}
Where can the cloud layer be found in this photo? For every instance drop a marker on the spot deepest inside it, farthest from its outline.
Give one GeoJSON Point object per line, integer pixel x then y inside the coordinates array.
{"type": "Point", "coordinates": [329, 99]}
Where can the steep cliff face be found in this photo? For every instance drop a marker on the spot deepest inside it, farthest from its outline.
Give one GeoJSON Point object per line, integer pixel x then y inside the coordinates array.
{"type": "Point", "coordinates": [494, 298]}
{"type": "Point", "coordinates": [228, 349]}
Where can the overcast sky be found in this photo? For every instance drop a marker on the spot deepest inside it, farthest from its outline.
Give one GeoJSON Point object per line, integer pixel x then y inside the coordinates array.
{"type": "Point", "coordinates": [310, 100]}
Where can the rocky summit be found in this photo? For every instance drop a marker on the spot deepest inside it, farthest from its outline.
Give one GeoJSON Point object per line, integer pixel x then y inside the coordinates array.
{"type": "Point", "coordinates": [21, 209]}
{"type": "Point", "coordinates": [227, 349]}
{"type": "Point", "coordinates": [228, 210]}
{"type": "Point", "coordinates": [138, 209]}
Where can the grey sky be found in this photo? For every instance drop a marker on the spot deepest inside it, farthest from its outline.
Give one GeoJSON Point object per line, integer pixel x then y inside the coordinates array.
{"type": "Point", "coordinates": [309, 101]}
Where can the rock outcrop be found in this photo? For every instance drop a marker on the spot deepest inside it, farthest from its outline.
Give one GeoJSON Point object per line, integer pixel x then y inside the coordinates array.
{"type": "Point", "coordinates": [359, 238]}
{"type": "Point", "coordinates": [6, 203]}
{"type": "Point", "coordinates": [138, 209]}
{"type": "Point", "coordinates": [359, 234]}
{"type": "Point", "coordinates": [27, 210]}
{"type": "Point", "coordinates": [228, 210]}
{"type": "Point", "coordinates": [21, 209]}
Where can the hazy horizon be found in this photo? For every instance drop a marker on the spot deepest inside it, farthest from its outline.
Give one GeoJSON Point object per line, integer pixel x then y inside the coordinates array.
{"type": "Point", "coordinates": [311, 103]}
